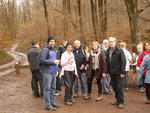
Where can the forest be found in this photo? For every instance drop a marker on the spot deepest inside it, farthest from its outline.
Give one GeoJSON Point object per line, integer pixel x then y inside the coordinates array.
{"type": "Point", "coordinates": [86, 20]}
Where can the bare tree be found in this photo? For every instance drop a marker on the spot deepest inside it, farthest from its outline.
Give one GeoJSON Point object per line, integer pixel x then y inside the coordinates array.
{"type": "Point", "coordinates": [82, 37]}
{"type": "Point", "coordinates": [134, 16]}
{"type": "Point", "coordinates": [46, 17]}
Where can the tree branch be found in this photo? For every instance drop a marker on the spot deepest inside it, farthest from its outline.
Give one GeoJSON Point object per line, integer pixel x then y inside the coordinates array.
{"type": "Point", "coordinates": [145, 19]}
{"type": "Point", "coordinates": [147, 6]}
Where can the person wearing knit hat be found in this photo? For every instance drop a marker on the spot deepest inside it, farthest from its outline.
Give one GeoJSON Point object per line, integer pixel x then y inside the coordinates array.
{"type": "Point", "coordinates": [68, 71]}
{"type": "Point", "coordinates": [49, 59]}
{"type": "Point", "coordinates": [49, 39]}
{"type": "Point", "coordinates": [68, 44]}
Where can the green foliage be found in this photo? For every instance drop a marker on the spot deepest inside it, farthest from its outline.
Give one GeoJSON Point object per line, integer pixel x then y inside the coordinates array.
{"type": "Point", "coordinates": [4, 57]}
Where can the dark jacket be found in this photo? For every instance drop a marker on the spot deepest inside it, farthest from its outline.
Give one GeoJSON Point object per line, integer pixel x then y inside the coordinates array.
{"type": "Point", "coordinates": [80, 58]}
{"type": "Point", "coordinates": [116, 64]}
{"type": "Point", "coordinates": [47, 57]}
{"type": "Point", "coordinates": [62, 50]}
{"type": "Point", "coordinates": [102, 66]}
{"type": "Point", "coordinates": [33, 58]}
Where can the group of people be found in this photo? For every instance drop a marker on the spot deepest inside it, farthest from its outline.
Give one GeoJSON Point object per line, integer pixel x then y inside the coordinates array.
{"type": "Point", "coordinates": [107, 64]}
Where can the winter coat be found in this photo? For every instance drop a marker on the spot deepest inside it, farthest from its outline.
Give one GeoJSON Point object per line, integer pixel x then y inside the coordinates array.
{"type": "Point", "coordinates": [128, 59]}
{"type": "Point", "coordinates": [33, 58]}
{"type": "Point", "coordinates": [68, 65]}
{"type": "Point", "coordinates": [47, 57]}
{"type": "Point", "coordinates": [145, 65]}
{"type": "Point", "coordinates": [117, 63]}
{"type": "Point", "coordinates": [102, 66]}
{"type": "Point", "coordinates": [141, 57]}
{"type": "Point", "coordinates": [80, 58]}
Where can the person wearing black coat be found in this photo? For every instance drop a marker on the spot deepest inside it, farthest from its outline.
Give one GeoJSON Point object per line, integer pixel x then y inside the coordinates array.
{"type": "Point", "coordinates": [116, 63]}
{"type": "Point", "coordinates": [80, 59]}
{"type": "Point", "coordinates": [35, 68]}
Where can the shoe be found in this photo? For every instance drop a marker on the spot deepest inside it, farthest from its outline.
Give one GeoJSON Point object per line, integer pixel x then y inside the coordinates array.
{"type": "Point", "coordinates": [100, 97]}
{"type": "Point", "coordinates": [148, 101]}
{"type": "Point", "coordinates": [114, 103]}
{"type": "Point", "coordinates": [73, 101]}
{"type": "Point", "coordinates": [69, 103]}
{"type": "Point", "coordinates": [142, 90]}
{"type": "Point", "coordinates": [87, 97]}
{"type": "Point", "coordinates": [126, 89]}
{"type": "Point", "coordinates": [75, 95]}
{"type": "Point", "coordinates": [51, 109]}
{"type": "Point", "coordinates": [105, 92]}
{"type": "Point", "coordinates": [55, 106]}
{"type": "Point", "coordinates": [84, 97]}
{"type": "Point", "coordinates": [121, 106]}
{"type": "Point", "coordinates": [57, 93]}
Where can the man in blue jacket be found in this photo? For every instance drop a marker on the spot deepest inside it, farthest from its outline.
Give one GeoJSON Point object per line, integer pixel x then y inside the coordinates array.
{"type": "Point", "coordinates": [49, 60]}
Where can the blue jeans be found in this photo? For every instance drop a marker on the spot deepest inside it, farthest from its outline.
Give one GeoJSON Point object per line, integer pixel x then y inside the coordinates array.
{"type": "Point", "coordinates": [49, 83]}
{"type": "Point", "coordinates": [83, 84]}
{"type": "Point", "coordinates": [105, 84]}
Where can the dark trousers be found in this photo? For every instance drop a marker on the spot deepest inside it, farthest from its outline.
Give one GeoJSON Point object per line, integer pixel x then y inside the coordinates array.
{"type": "Point", "coordinates": [37, 82]}
{"type": "Point", "coordinates": [147, 86]}
{"type": "Point", "coordinates": [125, 80]}
{"type": "Point", "coordinates": [117, 85]}
{"type": "Point", "coordinates": [90, 81]}
{"type": "Point", "coordinates": [58, 83]}
{"type": "Point", "coordinates": [68, 80]}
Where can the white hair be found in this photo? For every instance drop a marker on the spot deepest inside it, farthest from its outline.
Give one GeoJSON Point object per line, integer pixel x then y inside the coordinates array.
{"type": "Point", "coordinates": [112, 39]}
{"type": "Point", "coordinates": [77, 42]}
{"type": "Point", "coordinates": [105, 41]}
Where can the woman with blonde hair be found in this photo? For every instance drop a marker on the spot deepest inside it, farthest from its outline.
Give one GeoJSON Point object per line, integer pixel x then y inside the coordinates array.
{"type": "Point", "coordinates": [127, 68]}
{"type": "Point", "coordinates": [97, 68]}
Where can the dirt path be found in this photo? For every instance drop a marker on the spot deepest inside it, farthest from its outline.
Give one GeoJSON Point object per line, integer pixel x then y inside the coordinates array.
{"type": "Point", "coordinates": [17, 56]}
{"type": "Point", "coordinates": [16, 97]}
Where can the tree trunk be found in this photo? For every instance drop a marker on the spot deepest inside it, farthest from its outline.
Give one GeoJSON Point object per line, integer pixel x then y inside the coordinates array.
{"type": "Point", "coordinates": [135, 32]}
{"type": "Point", "coordinates": [82, 37]}
{"type": "Point", "coordinates": [94, 20]}
{"type": "Point", "coordinates": [46, 17]}
{"type": "Point", "coordinates": [134, 14]}
{"type": "Point", "coordinates": [102, 6]}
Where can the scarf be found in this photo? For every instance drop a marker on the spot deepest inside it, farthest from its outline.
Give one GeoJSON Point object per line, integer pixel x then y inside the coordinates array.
{"type": "Point", "coordinates": [95, 58]}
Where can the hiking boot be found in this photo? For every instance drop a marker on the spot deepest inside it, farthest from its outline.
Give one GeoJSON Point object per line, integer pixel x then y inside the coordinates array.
{"type": "Point", "coordinates": [100, 97]}
{"type": "Point", "coordinates": [121, 106]}
{"type": "Point", "coordinates": [69, 103]}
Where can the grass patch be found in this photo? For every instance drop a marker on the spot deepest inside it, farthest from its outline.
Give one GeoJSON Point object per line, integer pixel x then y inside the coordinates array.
{"type": "Point", "coordinates": [4, 57]}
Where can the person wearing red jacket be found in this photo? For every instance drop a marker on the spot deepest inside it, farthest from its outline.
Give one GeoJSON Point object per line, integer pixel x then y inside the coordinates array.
{"type": "Point", "coordinates": [141, 56]}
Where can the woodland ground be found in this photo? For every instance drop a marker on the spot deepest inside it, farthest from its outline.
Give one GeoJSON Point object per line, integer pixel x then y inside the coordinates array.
{"type": "Point", "coordinates": [16, 97]}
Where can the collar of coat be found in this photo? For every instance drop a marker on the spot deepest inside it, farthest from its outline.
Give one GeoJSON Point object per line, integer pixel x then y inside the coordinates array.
{"type": "Point", "coordinates": [115, 50]}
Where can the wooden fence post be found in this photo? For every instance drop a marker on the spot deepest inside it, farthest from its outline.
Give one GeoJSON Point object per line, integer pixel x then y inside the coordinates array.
{"type": "Point", "coordinates": [17, 67]}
